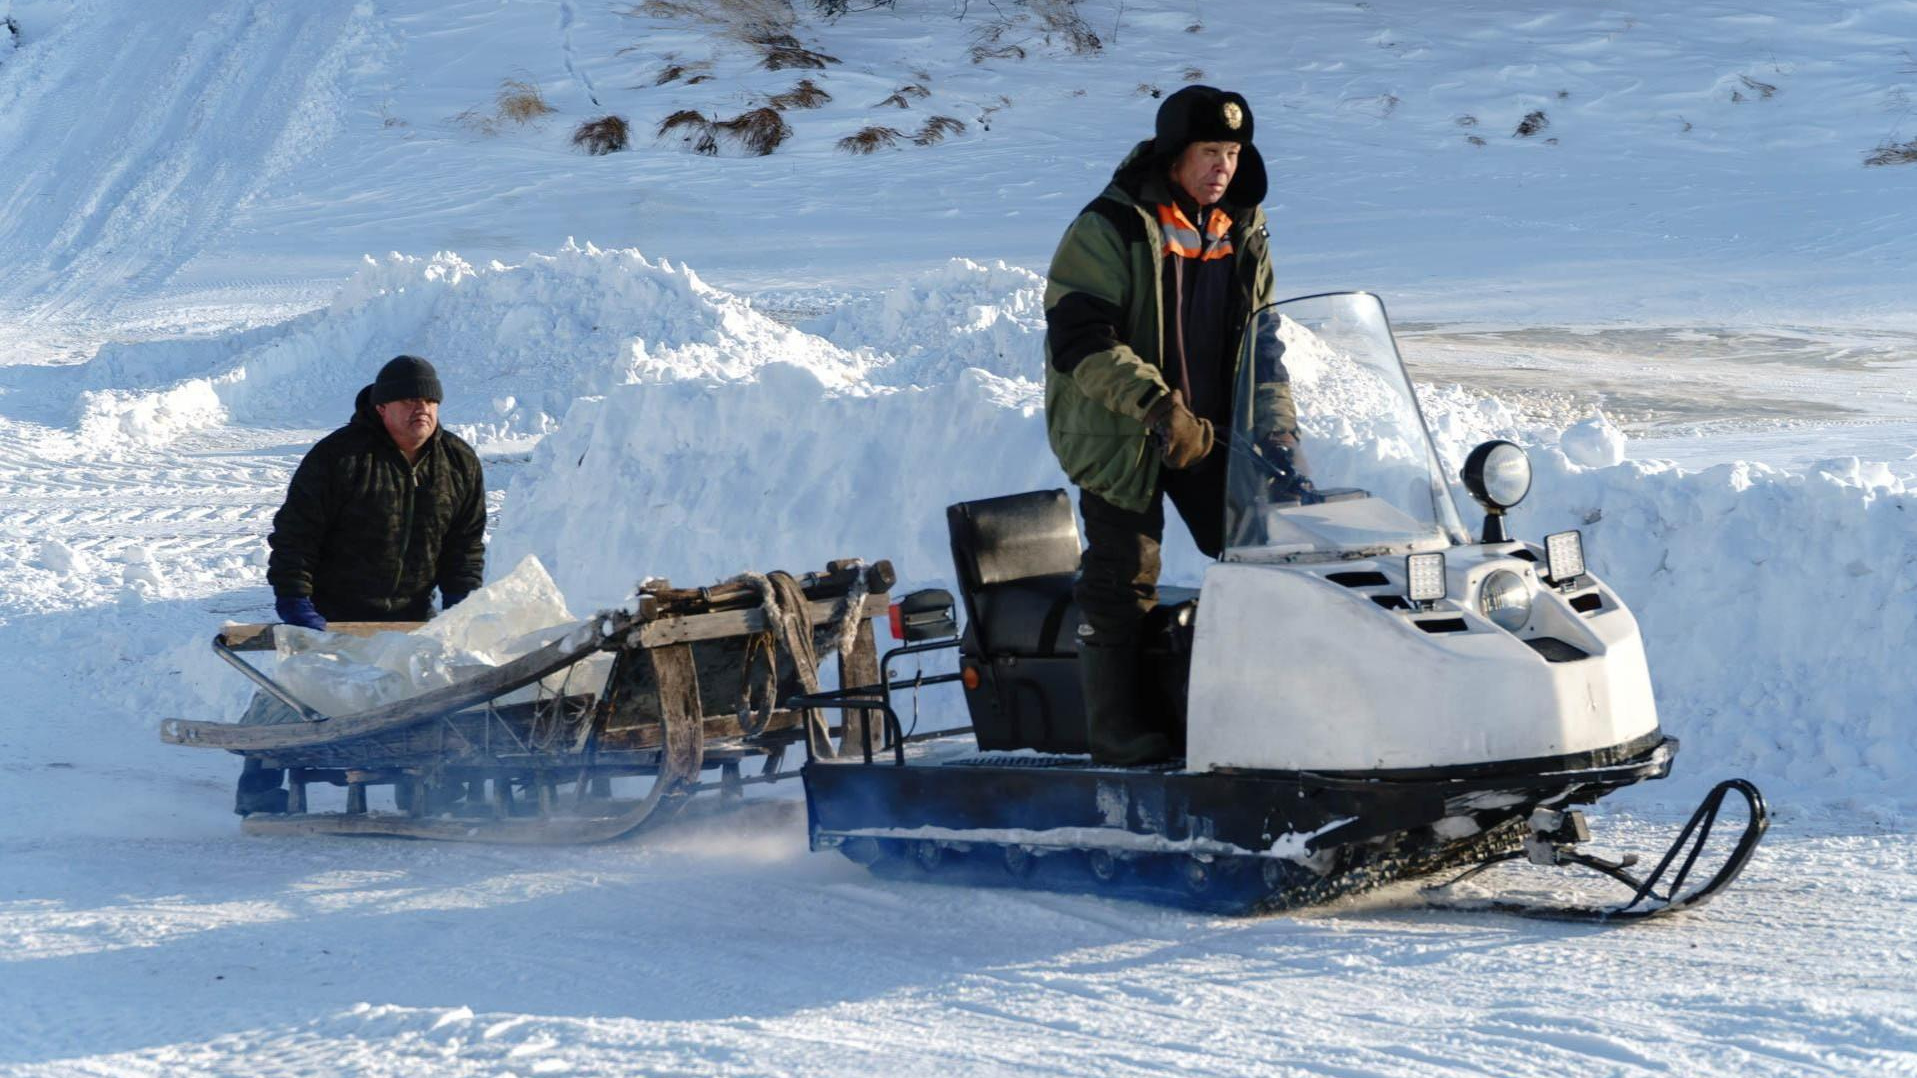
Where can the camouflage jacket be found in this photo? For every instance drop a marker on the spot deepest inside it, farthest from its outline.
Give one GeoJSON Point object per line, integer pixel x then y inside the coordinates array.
{"type": "Point", "coordinates": [1104, 313]}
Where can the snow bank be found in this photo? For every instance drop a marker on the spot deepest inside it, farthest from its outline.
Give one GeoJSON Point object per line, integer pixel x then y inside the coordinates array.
{"type": "Point", "coordinates": [515, 345]}
{"type": "Point", "coordinates": [695, 482]}
{"type": "Point", "coordinates": [1778, 608]}
{"type": "Point", "coordinates": [936, 325]}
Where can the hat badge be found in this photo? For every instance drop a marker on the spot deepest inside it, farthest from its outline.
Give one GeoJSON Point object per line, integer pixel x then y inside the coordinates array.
{"type": "Point", "coordinates": [1234, 116]}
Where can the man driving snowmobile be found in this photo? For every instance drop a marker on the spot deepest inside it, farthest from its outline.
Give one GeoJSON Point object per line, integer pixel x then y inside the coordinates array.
{"type": "Point", "coordinates": [1146, 300]}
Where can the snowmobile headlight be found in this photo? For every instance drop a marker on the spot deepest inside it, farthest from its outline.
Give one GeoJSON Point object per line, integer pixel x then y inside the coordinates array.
{"type": "Point", "coordinates": [1424, 577]}
{"type": "Point", "coordinates": [1498, 475]}
{"type": "Point", "coordinates": [1564, 557]}
{"type": "Point", "coordinates": [1505, 598]}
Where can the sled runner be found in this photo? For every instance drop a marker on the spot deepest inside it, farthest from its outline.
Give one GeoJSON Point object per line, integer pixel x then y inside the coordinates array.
{"type": "Point", "coordinates": [1361, 691]}
{"type": "Point", "coordinates": [688, 704]}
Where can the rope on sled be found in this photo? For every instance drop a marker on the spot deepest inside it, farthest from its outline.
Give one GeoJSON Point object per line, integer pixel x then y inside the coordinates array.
{"type": "Point", "coordinates": [789, 626]}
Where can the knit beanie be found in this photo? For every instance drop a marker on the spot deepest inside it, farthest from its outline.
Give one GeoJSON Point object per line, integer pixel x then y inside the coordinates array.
{"type": "Point", "coordinates": [406, 378]}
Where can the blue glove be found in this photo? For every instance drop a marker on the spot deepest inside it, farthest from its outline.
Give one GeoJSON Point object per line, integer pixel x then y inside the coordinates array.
{"type": "Point", "coordinates": [298, 610]}
{"type": "Point", "coordinates": [450, 599]}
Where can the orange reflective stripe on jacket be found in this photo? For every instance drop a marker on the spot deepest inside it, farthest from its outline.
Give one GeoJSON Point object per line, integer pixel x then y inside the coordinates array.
{"type": "Point", "coordinates": [1182, 238]}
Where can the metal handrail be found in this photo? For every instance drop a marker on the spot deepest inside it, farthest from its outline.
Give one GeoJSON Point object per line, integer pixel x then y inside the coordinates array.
{"type": "Point", "coordinates": [859, 698]}
{"type": "Point", "coordinates": [267, 685]}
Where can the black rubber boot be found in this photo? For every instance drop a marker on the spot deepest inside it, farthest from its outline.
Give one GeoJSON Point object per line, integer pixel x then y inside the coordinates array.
{"type": "Point", "coordinates": [259, 789]}
{"type": "Point", "coordinates": [1117, 735]}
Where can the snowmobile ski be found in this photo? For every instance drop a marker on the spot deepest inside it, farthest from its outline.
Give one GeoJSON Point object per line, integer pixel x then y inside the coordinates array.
{"type": "Point", "coordinates": [1552, 842]}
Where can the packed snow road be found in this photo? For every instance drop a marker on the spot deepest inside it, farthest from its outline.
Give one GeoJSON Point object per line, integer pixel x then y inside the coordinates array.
{"type": "Point", "coordinates": [141, 934]}
{"type": "Point", "coordinates": [725, 949]}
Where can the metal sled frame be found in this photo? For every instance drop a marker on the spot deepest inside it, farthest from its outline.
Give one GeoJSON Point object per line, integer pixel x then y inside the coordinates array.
{"type": "Point", "coordinates": [464, 766]}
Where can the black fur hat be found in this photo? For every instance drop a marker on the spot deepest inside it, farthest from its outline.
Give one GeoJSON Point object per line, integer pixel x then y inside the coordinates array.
{"type": "Point", "coordinates": [405, 378]}
{"type": "Point", "coordinates": [1202, 114]}
{"type": "Point", "coordinates": [1208, 114]}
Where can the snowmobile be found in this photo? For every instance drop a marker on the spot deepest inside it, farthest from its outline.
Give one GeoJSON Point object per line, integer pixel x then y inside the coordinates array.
{"type": "Point", "coordinates": [1362, 693]}
{"type": "Point", "coordinates": [553, 747]}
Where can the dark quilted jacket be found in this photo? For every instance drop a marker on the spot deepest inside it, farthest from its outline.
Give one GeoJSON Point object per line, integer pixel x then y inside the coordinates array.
{"type": "Point", "coordinates": [369, 537]}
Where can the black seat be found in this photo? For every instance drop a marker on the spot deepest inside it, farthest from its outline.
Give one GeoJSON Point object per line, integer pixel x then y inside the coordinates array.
{"type": "Point", "coordinates": [1016, 558]}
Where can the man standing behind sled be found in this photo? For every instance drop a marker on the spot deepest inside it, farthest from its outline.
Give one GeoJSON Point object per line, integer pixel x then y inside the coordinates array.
{"type": "Point", "coordinates": [1147, 300]}
{"type": "Point", "coordinates": [379, 513]}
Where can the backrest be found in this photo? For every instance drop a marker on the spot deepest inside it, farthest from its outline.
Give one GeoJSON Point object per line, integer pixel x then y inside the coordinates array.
{"type": "Point", "coordinates": [996, 540]}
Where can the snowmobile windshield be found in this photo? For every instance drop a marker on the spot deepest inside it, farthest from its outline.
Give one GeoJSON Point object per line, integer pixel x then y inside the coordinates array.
{"type": "Point", "coordinates": [1330, 457]}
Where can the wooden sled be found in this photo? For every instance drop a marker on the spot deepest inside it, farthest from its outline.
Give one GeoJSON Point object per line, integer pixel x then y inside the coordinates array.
{"type": "Point", "coordinates": [695, 686]}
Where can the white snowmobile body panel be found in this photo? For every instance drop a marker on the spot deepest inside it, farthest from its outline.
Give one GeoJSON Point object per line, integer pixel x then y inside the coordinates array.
{"type": "Point", "coordinates": [1274, 683]}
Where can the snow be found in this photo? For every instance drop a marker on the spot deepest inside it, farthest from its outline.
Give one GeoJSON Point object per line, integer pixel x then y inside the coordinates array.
{"type": "Point", "coordinates": [1593, 443]}
{"type": "Point", "coordinates": [515, 345]}
{"type": "Point", "coordinates": [218, 217]}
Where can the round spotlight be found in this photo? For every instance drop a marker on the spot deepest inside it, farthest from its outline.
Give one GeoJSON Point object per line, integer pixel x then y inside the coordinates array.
{"type": "Point", "coordinates": [1498, 475]}
{"type": "Point", "coordinates": [1506, 599]}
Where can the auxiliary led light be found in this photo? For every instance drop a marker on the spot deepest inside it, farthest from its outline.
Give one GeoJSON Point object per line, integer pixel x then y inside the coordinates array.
{"type": "Point", "coordinates": [1564, 556]}
{"type": "Point", "coordinates": [1424, 577]}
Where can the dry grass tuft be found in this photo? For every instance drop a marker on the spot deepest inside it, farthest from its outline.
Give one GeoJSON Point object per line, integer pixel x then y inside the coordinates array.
{"type": "Point", "coordinates": [1466, 121]}
{"type": "Point", "coordinates": [1474, 140]}
{"type": "Point", "coordinates": [833, 9]}
{"type": "Point", "coordinates": [936, 129]}
{"type": "Point", "coordinates": [1146, 89]}
{"type": "Point", "coordinates": [1892, 153]}
{"type": "Point", "coordinates": [693, 73]}
{"type": "Point", "coordinates": [900, 97]}
{"type": "Point", "coordinates": [1762, 89]}
{"type": "Point", "coordinates": [744, 20]}
{"type": "Point", "coordinates": [607, 134]}
{"type": "Point", "coordinates": [1060, 18]}
{"type": "Point", "coordinates": [666, 9]}
{"type": "Point", "coordinates": [988, 43]}
{"type": "Point", "coordinates": [806, 95]}
{"type": "Point", "coordinates": [782, 51]}
{"type": "Point", "coordinates": [692, 118]}
{"type": "Point", "coordinates": [479, 123]}
{"type": "Point", "coordinates": [985, 114]}
{"type": "Point", "coordinates": [521, 102]}
{"type": "Point", "coordinates": [698, 130]}
{"type": "Point", "coordinates": [1533, 122]}
{"type": "Point", "coordinates": [760, 130]}
{"type": "Point", "coordinates": [1192, 74]}
{"type": "Point", "coordinates": [982, 53]}
{"type": "Point", "coordinates": [871, 140]}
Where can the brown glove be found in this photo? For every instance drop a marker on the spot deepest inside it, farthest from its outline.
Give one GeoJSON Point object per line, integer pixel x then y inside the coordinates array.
{"type": "Point", "coordinates": [1185, 437]}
